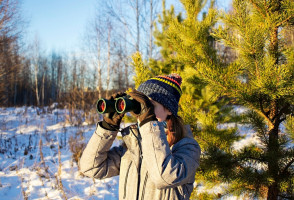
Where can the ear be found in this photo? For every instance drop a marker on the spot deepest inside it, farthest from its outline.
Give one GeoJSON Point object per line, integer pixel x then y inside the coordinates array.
{"type": "Point", "coordinates": [168, 112]}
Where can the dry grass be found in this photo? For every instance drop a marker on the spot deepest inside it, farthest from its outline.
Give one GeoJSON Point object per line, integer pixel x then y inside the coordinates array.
{"type": "Point", "coordinates": [35, 147]}
{"type": "Point", "coordinates": [24, 192]}
{"type": "Point", "coordinates": [58, 175]}
{"type": "Point", "coordinates": [76, 146]}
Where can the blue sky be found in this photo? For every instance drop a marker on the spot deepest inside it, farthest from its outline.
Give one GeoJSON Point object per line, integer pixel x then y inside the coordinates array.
{"type": "Point", "coordinates": [59, 24]}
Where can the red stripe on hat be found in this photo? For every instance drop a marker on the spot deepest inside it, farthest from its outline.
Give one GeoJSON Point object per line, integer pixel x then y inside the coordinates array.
{"type": "Point", "coordinates": [166, 77]}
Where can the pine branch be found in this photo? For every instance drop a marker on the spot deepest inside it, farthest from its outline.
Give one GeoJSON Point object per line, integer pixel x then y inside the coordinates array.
{"type": "Point", "coordinates": [283, 119]}
{"type": "Point", "coordinates": [285, 197]}
{"type": "Point", "coordinates": [215, 82]}
{"type": "Point", "coordinates": [264, 115]}
{"type": "Point", "coordinates": [287, 166]}
{"type": "Point", "coordinates": [282, 111]}
{"type": "Point", "coordinates": [285, 20]}
{"type": "Point", "coordinates": [253, 158]}
{"type": "Point", "coordinates": [265, 6]}
{"type": "Point", "coordinates": [257, 8]}
{"type": "Point", "coordinates": [225, 88]}
{"type": "Point", "coordinates": [261, 107]}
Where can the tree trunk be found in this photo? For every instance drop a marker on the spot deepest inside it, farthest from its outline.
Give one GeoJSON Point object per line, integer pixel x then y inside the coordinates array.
{"type": "Point", "coordinates": [274, 47]}
{"type": "Point", "coordinates": [43, 89]}
{"type": "Point", "coordinates": [108, 63]}
{"type": "Point", "coordinates": [273, 192]}
{"type": "Point", "coordinates": [59, 78]}
{"type": "Point", "coordinates": [138, 26]}
{"type": "Point", "coordinates": [15, 89]}
{"type": "Point", "coordinates": [53, 91]}
{"type": "Point", "coordinates": [151, 28]}
{"type": "Point", "coordinates": [36, 84]}
{"type": "Point", "coordinates": [273, 151]}
{"type": "Point", "coordinates": [273, 164]}
{"type": "Point", "coordinates": [126, 75]}
{"type": "Point", "coordinates": [99, 88]}
{"type": "Point", "coordinates": [273, 148]}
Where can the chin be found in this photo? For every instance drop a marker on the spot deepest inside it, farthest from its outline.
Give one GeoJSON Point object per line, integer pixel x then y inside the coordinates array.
{"type": "Point", "coordinates": [160, 120]}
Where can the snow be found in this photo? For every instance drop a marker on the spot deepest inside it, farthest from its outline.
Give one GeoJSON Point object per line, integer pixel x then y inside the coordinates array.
{"type": "Point", "coordinates": [24, 175]}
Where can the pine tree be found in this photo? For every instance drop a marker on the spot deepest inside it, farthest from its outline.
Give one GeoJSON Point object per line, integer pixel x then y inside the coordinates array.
{"type": "Point", "coordinates": [261, 79]}
{"type": "Point", "coordinates": [201, 107]}
{"type": "Point", "coordinates": [164, 65]}
{"type": "Point", "coordinates": [142, 71]}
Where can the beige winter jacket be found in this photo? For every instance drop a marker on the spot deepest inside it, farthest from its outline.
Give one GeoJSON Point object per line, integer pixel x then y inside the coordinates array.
{"type": "Point", "coordinates": [148, 168]}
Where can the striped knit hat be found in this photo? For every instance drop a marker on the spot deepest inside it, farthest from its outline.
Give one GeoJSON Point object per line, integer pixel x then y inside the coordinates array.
{"type": "Point", "coordinates": [166, 90]}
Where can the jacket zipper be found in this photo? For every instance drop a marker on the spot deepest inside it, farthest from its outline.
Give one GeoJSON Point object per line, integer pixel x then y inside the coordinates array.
{"type": "Point", "coordinates": [143, 190]}
{"type": "Point", "coordinates": [125, 186]}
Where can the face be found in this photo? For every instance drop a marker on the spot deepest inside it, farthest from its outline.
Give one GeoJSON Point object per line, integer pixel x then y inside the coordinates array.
{"type": "Point", "coordinates": [160, 111]}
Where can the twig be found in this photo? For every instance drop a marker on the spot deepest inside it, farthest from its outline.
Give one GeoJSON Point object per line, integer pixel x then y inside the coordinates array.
{"type": "Point", "coordinates": [58, 175]}
{"type": "Point", "coordinates": [24, 193]}
{"type": "Point", "coordinates": [257, 8]}
{"type": "Point", "coordinates": [287, 166]}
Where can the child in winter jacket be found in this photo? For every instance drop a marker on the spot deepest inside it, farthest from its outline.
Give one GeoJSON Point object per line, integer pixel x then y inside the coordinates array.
{"type": "Point", "coordinates": [159, 156]}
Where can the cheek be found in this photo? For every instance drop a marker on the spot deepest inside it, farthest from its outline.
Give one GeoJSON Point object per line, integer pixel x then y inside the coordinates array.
{"type": "Point", "coordinates": [160, 114]}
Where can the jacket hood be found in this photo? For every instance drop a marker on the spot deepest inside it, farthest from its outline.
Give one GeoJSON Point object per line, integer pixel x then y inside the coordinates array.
{"type": "Point", "coordinates": [188, 130]}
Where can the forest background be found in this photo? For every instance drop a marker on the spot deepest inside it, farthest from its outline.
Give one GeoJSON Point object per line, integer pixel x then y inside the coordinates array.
{"type": "Point", "coordinates": [239, 58]}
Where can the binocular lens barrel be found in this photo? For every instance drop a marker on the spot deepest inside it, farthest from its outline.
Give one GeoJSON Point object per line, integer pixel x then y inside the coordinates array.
{"type": "Point", "coordinates": [120, 105]}
{"type": "Point", "coordinates": [105, 106]}
{"type": "Point", "coordinates": [127, 104]}
{"type": "Point", "coordinates": [101, 106]}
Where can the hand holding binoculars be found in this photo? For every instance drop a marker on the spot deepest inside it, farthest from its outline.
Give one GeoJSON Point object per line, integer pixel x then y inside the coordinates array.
{"type": "Point", "coordinates": [120, 105]}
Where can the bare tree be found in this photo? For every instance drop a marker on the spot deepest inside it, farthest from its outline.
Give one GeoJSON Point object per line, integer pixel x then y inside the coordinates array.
{"type": "Point", "coordinates": [35, 62]}
{"type": "Point", "coordinates": [17, 72]}
{"type": "Point", "coordinates": [96, 41]}
{"type": "Point", "coordinates": [44, 73]}
{"type": "Point", "coordinates": [10, 30]}
{"type": "Point", "coordinates": [98, 32]}
{"type": "Point", "coordinates": [126, 65]}
{"type": "Point", "coordinates": [138, 25]}
{"type": "Point", "coordinates": [60, 72]}
{"type": "Point", "coordinates": [109, 27]}
{"type": "Point", "coordinates": [25, 82]}
{"type": "Point", "coordinates": [151, 29]}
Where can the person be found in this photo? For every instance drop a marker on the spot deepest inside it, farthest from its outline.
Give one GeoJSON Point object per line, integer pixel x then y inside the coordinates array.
{"type": "Point", "coordinates": [158, 157]}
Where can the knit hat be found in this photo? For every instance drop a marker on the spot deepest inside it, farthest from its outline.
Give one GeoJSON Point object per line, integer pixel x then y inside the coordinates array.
{"type": "Point", "coordinates": [166, 90]}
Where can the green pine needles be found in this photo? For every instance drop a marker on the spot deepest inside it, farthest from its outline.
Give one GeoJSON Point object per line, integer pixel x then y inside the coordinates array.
{"type": "Point", "coordinates": [259, 79]}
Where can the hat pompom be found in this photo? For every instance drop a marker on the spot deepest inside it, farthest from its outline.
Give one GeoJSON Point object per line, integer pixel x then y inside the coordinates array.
{"type": "Point", "coordinates": [176, 77]}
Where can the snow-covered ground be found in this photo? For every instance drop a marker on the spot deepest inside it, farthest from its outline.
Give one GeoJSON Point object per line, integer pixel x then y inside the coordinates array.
{"type": "Point", "coordinates": [23, 174]}
{"type": "Point", "coordinates": [29, 156]}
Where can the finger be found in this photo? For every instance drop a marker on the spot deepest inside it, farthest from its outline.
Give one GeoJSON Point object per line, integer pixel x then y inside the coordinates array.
{"type": "Point", "coordinates": [115, 95]}
{"type": "Point", "coordinates": [112, 97]}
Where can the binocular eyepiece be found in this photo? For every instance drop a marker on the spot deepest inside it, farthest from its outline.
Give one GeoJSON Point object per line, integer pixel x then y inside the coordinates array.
{"type": "Point", "coordinates": [120, 105]}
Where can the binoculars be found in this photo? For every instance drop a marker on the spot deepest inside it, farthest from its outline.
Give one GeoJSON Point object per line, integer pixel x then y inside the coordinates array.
{"type": "Point", "coordinates": [120, 105]}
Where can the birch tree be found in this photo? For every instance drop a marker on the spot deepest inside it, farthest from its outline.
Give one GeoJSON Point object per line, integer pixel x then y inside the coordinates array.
{"type": "Point", "coordinates": [35, 63]}
{"type": "Point", "coordinates": [109, 28]}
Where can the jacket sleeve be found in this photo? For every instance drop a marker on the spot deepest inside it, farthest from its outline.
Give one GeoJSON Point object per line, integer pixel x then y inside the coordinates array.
{"type": "Point", "coordinates": [98, 160]}
{"type": "Point", "coordinates": [168, 169]}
